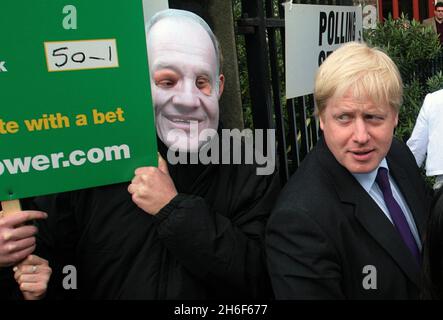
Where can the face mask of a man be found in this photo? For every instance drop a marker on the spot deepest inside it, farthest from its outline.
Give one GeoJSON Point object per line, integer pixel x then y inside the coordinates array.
{"type": "Point", "coordinates": [185, 82]}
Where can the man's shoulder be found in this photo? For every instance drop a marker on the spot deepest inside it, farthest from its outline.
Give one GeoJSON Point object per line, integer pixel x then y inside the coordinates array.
{"type": "Point", "coordinates": [314, 199]}
{"type": "Point", "coordinates": [314, 170]}
{"type": "Point", "coordinates": [310, 186]}
{"type": "Point", "coordinates": [428, 21]}
{"type": "Point", "coordinates": [402, 155]}
{"type": "Point", "coordinates": [398, 148]}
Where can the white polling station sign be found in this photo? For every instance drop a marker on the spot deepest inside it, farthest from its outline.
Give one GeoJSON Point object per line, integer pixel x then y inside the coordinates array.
{"type": "Point", "coordinates": [312, 32]}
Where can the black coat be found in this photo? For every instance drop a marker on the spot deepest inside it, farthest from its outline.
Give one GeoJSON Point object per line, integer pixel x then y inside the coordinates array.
{"type": "Point", "coordinates": [326, 228]}
{"type": "Point", "coordinates": [207, 243]}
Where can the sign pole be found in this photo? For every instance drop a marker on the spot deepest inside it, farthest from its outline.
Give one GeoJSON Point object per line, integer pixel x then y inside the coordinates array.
{"type": "Point", "coordinates": [11, 207]}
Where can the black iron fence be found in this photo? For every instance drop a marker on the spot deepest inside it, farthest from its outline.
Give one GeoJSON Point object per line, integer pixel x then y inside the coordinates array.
{"type": "Point", "coordinates": [262, 25]}
{"type": "Point", "coordinates": [422, 69]}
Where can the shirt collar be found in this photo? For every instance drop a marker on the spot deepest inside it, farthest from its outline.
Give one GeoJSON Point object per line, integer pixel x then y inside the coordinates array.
{"type": "Point", "coordinates": [366, 180]}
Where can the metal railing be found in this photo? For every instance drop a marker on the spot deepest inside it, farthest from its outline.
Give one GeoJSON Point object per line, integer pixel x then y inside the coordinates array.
{"type": "Point", "coordinates": [262, 25]}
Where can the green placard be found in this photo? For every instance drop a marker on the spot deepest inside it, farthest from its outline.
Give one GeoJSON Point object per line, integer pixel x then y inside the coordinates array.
{"type": "Point", "coordinates": [75, 101]}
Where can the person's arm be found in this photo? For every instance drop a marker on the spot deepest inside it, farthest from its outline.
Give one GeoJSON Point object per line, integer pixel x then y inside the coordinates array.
{"type": "Point", "coordinates": [418, 142]}
{"type": "Point", "coordinates": [17, 241]}
{"type": "Point", "coordinates": [57, 238]}
{"type": "Point", "coordinates": [17, 238]}
{"type": "Point", "coordinates": [301, 259]}
{"type": "Point", "coordinates": [226, 253]}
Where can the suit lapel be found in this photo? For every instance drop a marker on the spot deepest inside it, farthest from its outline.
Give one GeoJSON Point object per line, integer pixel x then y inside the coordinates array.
{"type": "Point", "coordinates": [383, 231]}
{"type": "Point", "coordinates": [370, 216]}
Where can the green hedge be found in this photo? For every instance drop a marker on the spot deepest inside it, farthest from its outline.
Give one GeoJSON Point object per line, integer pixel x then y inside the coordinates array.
{"type": "Point", "coordinates": [417, 52]}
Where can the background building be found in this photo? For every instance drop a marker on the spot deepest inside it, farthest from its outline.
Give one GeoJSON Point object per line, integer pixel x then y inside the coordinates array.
{"type": "Point", "coordinates": [416, 9]}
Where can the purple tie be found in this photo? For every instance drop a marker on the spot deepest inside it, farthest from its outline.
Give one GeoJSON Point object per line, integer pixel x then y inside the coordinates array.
{"type": "Point", "coordinates": [396, 213]}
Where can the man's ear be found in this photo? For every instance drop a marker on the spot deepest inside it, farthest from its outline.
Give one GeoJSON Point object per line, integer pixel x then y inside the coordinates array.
{"type": "Point", "coordinates": [320, 118]}
{"type": "Point", "coordinates": [221, 84]}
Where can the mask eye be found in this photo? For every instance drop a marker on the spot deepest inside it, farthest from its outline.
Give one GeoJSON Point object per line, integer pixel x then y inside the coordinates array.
{"type": "Point", "coordinates": [165, 78]}
{"type": "Point", "coordinates": [203, 84]}
{"type": "Point", "coordinates": [165, 83]}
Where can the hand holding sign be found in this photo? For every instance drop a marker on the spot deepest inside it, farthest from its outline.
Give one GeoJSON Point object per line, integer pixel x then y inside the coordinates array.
{"type": "Point", "coordinates": [152, 188]}
{"type": "Point", "coordinates": [32, 276]}
{"type": "Point", "coordinates": [17, 240]}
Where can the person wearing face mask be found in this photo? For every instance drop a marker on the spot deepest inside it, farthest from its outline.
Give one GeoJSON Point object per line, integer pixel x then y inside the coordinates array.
{"type": "Point", "coordinates": [177, 231]}
{"type": "Point", "coordinates": [184, 94]}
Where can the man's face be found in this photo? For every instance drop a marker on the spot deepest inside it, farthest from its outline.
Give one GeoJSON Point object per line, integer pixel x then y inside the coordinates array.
{"type": "Point", "coordinates": [184, 74]}
{"type": "Point", "coordinates": [358, 133]}
{"type": "Point", "coordinates": [438, 13]}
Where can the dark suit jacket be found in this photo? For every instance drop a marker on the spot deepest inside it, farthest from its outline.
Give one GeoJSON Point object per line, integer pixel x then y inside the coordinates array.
{"type": "Point", "coordinates": [326, 228]}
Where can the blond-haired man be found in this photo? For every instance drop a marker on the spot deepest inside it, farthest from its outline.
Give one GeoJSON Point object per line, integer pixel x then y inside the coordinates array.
{"type": "Point", "coordinates": [348, 225]}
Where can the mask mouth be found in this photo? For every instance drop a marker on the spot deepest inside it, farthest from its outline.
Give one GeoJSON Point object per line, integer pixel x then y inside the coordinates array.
{"type": "Point", "coordinates": [183, 122]}
{"type": "Point", "coordinates": [178, 118]}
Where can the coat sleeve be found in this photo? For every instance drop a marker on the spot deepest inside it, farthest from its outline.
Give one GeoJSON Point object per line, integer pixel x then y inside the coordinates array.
{"type": "Point", "coordinates": [302, 262]}
{"type": "Point", "coordinates": [226, 253]}
{"type": "Point", "coordinates": [56, 239]}
{"type": "Point", "coordinates": [54, 243]}
{"type": "Point", "coordinates": [9, 289]}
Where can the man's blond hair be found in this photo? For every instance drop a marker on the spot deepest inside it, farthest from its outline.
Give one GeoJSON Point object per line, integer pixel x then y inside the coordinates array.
{"type": "Point", "coordinates": [367, 72]}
